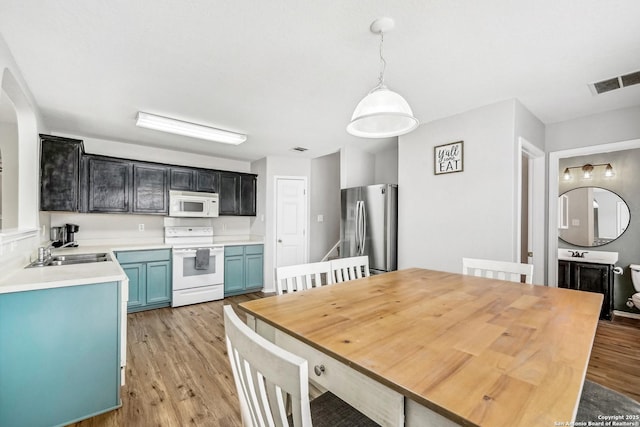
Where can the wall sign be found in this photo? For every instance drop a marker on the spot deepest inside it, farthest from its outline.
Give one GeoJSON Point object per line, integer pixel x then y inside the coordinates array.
{"type": "Point", "coordinates": [448, 158]}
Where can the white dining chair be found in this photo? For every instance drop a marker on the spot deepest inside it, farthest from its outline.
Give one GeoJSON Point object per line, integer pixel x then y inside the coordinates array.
{"type": "Point", "coordinates": [344, 269]}
{"type": "Point", "coordinates": [502, 270]}
{"type": "Point", "coordinates": [267, 377]}
{"type": "Point", "coordinates": [302, 276]}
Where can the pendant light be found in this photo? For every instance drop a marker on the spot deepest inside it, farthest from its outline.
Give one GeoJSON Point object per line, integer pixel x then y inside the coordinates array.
{"type": "Point", "coordinates": [383, 113]}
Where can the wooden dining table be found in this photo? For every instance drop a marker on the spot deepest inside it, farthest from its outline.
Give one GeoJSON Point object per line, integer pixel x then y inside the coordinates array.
{"type": "Point", "coordinates": [423, 347]}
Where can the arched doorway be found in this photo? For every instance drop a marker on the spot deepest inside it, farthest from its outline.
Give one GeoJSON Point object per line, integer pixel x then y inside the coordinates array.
{"type": "Point", "coordinates": [8, 164]}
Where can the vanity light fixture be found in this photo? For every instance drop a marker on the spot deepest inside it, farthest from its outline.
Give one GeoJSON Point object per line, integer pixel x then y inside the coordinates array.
{"type": "Point", "coordinates": [193, 130]}
{"type": "Point", "coordinates": [587, 170]}
{"type": "Point", "coordinates": [382, 113]}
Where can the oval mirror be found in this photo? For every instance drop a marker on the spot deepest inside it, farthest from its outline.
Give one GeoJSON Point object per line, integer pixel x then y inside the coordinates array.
{"type": "Point", "coordinates": [591, 216]}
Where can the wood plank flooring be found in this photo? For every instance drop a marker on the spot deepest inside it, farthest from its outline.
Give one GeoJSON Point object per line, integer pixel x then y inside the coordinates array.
{"type": "Point", "coordinates": [178, 373]}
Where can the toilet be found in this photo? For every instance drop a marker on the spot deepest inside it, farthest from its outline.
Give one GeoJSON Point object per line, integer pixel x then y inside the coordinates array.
{"type": "Point", "coordinates": [635, 277]}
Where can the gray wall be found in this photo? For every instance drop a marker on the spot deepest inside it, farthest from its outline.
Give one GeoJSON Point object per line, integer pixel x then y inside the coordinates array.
{"type": "Point", "coordinates": [626, 165]}
{"type": "Point", "coordinates": [443, 218]}
{"type": "Point", "coordinates": [324, 194]}
{"type": "Point", "coordinates": [612, 126]}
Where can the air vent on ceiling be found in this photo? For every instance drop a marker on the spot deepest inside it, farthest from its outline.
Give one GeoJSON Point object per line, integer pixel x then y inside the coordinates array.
{"type": "Point", "coordinates": [300, 149]}
{"type": "Point", "coordinates": [615, 83]}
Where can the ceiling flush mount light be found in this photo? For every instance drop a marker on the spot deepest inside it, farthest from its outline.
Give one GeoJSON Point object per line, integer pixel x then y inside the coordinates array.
{"type": "Point", "coordinates": [194, 130]}
{"type": "Point", "coordinates": [587, 170]}
{"type": "Point", "coordinates": [382, 113]}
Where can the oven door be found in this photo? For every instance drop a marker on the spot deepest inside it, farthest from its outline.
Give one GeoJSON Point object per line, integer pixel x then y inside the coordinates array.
{"type": "Point", "coordinates": [185, 275]}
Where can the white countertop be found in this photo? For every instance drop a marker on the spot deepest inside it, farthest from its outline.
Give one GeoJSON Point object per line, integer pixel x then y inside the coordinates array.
{"type": "Point", "coordinates": [29, 279]}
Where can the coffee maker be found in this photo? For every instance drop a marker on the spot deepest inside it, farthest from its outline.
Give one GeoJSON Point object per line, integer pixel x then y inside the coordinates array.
{"type": "Point", "coordinates": [58, 236]}
{"type": "Point", "coordinates": [70, 240]}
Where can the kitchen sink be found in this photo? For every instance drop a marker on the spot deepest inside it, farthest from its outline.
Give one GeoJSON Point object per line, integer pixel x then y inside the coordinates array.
{"type": "Point", "coordinates": [72, 259]}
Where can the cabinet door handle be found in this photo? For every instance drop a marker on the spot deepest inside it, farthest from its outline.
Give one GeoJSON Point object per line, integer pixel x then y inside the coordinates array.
{"type": "Point", "coordinates": [318, 369]}
{"type": "Point", "coordinates": [279, 240]}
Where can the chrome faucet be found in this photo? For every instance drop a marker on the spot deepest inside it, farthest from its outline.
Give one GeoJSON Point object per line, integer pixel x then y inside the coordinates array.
{"type": "Point", "coordinates": [44, 252]}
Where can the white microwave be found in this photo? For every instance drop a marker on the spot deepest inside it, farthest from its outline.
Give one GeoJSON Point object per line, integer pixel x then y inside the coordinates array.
{"type": "Point", "coordinates": [193, 204]}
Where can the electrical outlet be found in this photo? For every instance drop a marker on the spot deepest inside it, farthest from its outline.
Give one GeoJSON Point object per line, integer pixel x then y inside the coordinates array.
{"type": "Point", "coordinates": [140, 227]}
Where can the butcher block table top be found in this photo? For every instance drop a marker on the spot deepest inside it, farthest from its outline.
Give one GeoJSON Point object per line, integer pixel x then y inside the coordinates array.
{"type": "Point", "coordinates": [478, 351]}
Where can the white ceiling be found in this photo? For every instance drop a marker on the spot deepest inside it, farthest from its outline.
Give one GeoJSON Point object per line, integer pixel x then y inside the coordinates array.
{"type": "Point", "coordinates": [289, 73]}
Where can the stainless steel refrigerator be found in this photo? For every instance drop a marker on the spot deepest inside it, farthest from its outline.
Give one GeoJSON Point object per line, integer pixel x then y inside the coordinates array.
{"type": "Point", "coordinates": [369, 225]}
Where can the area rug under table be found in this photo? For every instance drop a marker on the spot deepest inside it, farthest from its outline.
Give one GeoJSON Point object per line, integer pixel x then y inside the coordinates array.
{"type": "Point", "coordinates": [599, 403]}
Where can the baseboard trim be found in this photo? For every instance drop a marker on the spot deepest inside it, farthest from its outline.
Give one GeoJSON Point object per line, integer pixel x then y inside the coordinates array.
{"type": "Point", "coordinates": [626, 314]}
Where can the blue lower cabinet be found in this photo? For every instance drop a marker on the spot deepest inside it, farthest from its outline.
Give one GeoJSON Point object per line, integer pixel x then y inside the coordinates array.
{"type": "Point", "coordinates": [59, 354]}
{"type": "Point", "coordinates": [137, 278]}
{"type": "Point", "coordinates": [149, 274]}
{"type": "Point", "coordinates": [243, 269]}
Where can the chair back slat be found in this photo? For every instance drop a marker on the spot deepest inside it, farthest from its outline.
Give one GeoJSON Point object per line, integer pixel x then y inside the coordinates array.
{"type": "Point", "coordinates": [502, 270]}
{"type": "Point", "coordinates": [265, 375]}
{"type": "Point", "coordinates": [344, 269]}
{"type": "Point", "coordinates": [299, 277]}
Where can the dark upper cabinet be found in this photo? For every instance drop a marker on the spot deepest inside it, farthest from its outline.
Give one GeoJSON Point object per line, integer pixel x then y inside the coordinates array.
{"type": "Point", "coordinates": [60, 173]}
{"type": "Point", "coordinates": [589, 277]}
{"type": "Point", "coordinates": [182, 179]}
{"type": "Point", "coordinates": [188, 179]}
{"type": "Point", "coordinates": [108, 184]}
{"type": "Point", "coordinates": [237, 194]}
{"type": "Point", "coordinates": [207, 181]}
{"type": "Point", "coordinates": [229, 193]}
{"type": "Point", "coordinates": [248, 195]}
{"type": "Point", "coordinates": [149, 188]}
{"type": "Point", "coordinates": [74, 181]}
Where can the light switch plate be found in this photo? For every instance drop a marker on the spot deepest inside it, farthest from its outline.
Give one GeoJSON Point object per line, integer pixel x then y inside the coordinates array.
{"type": "Point", "coordinates": [320, 218]}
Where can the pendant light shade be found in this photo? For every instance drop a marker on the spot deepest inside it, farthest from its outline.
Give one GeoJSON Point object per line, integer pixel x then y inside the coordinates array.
{"type": "Point", "coordinates": [383, 113]}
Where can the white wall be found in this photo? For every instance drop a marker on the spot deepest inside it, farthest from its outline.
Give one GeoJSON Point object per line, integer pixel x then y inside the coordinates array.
{"type": "Point", "coordinates": [604, 128]}
{"type": "Point", "coordinates": [357, 167]}
{"type": "Point", "coordinates": [258, 224]}
{"type": "Point", "coordinates": [443, 218]}
{"type": "Point", "coordinates": [159, 155]}
{"type": "Point", "coordinates": [386, 166]}
{"type": "Point", "coordinates": [324, 195]}
{"type": "Point", "coordinates": [10, 169]}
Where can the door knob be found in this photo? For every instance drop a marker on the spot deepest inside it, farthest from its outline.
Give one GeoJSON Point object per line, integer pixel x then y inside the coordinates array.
{"type": "Point", "coordinates": [318, 369]}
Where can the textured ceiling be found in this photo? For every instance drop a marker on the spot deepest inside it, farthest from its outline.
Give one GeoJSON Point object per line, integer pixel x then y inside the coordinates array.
{"type": "Point", "coordinates": [289, 73]}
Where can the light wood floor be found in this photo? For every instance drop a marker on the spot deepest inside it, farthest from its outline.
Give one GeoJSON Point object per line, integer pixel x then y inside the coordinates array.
{"type": "Point", "coordinates": [178, 373]}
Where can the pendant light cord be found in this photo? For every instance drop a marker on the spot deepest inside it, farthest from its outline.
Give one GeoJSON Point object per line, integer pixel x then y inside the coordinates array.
{"type": "Point", "coordinates": [383, 63]}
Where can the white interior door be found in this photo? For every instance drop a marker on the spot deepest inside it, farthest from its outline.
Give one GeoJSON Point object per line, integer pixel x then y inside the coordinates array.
{"type": "Point", "coordinates": [535, 208]}
{"type": "Point", "coordinates": [291, 221]}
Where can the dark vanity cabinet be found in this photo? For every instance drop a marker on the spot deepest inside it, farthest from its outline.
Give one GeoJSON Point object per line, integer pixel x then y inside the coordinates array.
{"type": "Point", "coordinates": [60, 160]}
{"type": "Point", "coordinates": [589, 277]}
{"type": "Point", "coordinates": [237, 194]}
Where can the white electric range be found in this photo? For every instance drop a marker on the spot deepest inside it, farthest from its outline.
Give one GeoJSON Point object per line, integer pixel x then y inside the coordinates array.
{"type": "Point", "coordinates": [200, 281]}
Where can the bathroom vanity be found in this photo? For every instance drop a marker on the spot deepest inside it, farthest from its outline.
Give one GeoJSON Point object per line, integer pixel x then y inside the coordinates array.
{"type": "Point", "coordinates": [591, 272]}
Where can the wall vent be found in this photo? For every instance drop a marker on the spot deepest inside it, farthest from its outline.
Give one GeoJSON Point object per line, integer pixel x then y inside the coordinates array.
{"type": "Point", "coordinates": [615, 83]}
{"type": "Point", "coordinates": [300, 149]}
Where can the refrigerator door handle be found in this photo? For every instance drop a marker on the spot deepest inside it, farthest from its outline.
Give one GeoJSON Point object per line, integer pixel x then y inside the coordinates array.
{"type": "Point", "coordinates": [363, 232]}
{"type": "Point", "coordinates": [357, 227]}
